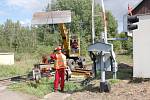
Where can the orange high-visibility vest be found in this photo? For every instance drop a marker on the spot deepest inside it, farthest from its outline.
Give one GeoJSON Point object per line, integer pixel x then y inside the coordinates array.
{"type": "Point", "coordinates": [60, 61]}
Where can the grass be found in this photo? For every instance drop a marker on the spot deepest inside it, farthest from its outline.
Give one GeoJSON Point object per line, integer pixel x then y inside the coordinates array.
{"type": "Point", "coordinates": [124, 73]}
{"type": "Point", "coordinates": [124, 59]}
{"type": "Point", "coordinates": [113, 81]}
{"type": "Point", "coordinates": [72, 86]}
{"type": "Point", "coordinates": [19, 68]}
{"type": "Point", "coordinates": [44, 87]}
{"type": "Point", "coordinates": [124, 70]}
{"type": "Point", "coordinates": [8, 71]}
{"type": "Point", "coordinates": [23, 64]}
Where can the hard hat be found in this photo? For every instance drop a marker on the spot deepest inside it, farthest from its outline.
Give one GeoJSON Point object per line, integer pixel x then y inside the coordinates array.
{"type": "Point", "coordinates": [55, 49]}
{"type": "Point", "coordinates": [58, 48]}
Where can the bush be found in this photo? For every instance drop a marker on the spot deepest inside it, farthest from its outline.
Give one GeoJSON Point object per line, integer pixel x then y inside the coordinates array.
{"type": "Point", "coordinates": [116, 45]}
{"type": "Point", "coordinates": [42, 50]}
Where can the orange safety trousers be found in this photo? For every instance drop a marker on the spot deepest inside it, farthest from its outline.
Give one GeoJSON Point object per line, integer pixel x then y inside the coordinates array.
{"type": "Point", "coordinates": [59, 65]}
{"type": "Point", "coordinates": [59, 77]}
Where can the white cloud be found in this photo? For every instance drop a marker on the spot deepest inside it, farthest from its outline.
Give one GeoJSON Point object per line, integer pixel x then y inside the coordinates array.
{"type": "Point", "coordinates": [2, 13]}
{"type": "Point", "coordinates": [30, 5]}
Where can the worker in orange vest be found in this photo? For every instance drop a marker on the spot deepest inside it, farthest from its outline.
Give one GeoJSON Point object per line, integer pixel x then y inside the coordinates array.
{"type": "Point", "coordinates": [59, 66]}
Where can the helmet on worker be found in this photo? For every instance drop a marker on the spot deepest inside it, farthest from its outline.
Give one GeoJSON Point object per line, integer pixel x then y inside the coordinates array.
{"type": "Point", "coordinates": [59, 48]}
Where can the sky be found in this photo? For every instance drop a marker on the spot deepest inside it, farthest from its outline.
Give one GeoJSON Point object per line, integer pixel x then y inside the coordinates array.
{"type": "Point", "coordinates": [23, 10]}
{"type": "Point", "coordinates": [119, 8]}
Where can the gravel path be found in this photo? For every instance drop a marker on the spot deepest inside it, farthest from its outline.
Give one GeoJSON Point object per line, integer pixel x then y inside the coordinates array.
{"type": "Point", "coordinates": [56, 96]}
{"type": "Point", "coordinates": [6, 94]}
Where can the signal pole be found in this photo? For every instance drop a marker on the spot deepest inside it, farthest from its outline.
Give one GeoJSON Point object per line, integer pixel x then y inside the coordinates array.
{"type": "Point", "coordinates": [102, 53]}
{"type": "Point", "coordinates": [104, 35]}
{"type": "Point", "coordinates": [104, 39]}
{"type": "Point", "coordinates": [93, 27]}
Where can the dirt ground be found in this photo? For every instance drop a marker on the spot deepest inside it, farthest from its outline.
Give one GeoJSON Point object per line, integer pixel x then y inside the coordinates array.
{"type": "Point", "coordinates": [6, 94]}
{"type": "Point", "coordinates": [124, 90]}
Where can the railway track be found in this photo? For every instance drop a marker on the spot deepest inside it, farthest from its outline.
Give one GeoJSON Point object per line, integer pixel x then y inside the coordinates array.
{"type": "Point", "coordinates": [10, 80]}
{"type": "Point", "coordinates": [5, 83]}
{"type": "Point", "coordinates": [82, 73]}
{"type": "Point", "coordinates": [78, 72]}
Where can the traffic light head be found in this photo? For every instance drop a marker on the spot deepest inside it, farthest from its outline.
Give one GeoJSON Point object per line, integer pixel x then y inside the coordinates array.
{"type": "Point", "coordinates": [130, 21]}
{"type": "Point", "coordinates": [133, 19]}
{"type": "Point", "coordinates": [132, 27]}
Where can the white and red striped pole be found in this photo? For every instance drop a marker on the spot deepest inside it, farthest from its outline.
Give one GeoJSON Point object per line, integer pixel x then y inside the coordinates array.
{"type": "Point", "coordinates": [104, 35]}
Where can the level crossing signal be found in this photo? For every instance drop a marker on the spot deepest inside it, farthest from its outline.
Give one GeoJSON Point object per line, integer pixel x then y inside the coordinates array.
{"type": "Point", "coordinates": [130, 23]}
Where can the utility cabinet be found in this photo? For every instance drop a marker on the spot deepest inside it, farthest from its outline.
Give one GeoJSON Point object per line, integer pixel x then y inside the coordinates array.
{"type": "Point", "coordinates": [141, 48]}
{"type": "Point", "coordinates": [6, 58]}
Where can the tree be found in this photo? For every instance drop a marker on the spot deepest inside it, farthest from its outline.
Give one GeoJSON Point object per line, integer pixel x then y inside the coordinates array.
{"type": "Point", "coordinates": [111, 25]}
{"type": "Point", "coordinates": [81, 18]}
{"type": "Point", "coordinates": [15, 37]}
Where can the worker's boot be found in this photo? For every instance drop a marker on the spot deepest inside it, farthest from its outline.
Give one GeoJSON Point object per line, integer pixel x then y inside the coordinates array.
{"type": "Point", "coordinates": [55, 90]}
{"type": "Point", "coordinates": [62, 89]}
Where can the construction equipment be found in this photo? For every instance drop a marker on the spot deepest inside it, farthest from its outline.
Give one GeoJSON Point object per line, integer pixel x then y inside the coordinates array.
{"type": "Point", "coordinates": [60, 18]}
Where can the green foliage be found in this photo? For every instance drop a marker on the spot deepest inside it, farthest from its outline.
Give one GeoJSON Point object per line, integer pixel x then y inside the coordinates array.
{"type": "Point", "coordinates": [23, 64]}
{"type": "Point", "coordinates": [16, 38]}
{"type": "Point", "coordinates": [18, 56]}
{"type": "Point", "coordinates": [8, 71]}
{"type": "Point", "coordinates": [83, 47]}
{"type": "Point", "coordinates": [47, 35]}
{"type": "Point", "coordinates": [124, 73]}
{"type": "Point", "coordinates": [71, 86]}
{"type": "Point", "coordinates": [116, 45]}
{"type": "Point", "coordinates": [111, 25]}
{"type": "Point", "coordinates": [127, 44]}
{"type": "Point", "coordinates": [44, 87]}
{"type": "Point", "coordinates": [127, 59]}
{"type": "Point", "coordinates": [42, 50]}
{"type": "Point", "coordinates": [114, 81]}
{"type": "Point", "coordinates": [81, 20]}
